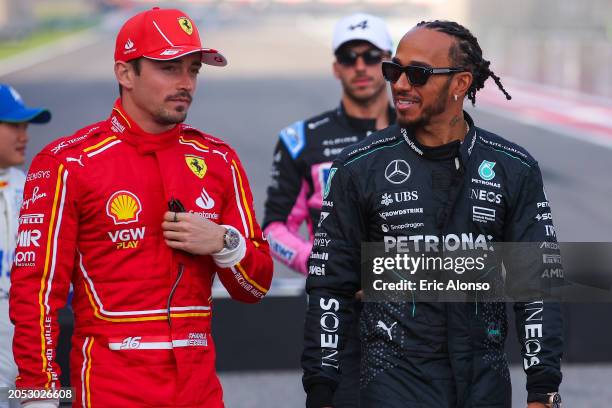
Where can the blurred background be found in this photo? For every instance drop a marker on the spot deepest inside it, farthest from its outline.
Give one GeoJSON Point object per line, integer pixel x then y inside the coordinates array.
{"type": "Point", "coordinates": [553, 56]}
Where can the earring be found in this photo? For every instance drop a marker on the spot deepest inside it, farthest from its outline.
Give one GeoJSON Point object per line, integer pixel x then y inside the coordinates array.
{"type": "Point", "coordinates": [456, 97]}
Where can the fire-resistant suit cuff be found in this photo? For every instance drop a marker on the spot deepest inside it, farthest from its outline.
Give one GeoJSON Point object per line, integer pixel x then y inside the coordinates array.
{"type": "Point", "coordinates": [227, 258]}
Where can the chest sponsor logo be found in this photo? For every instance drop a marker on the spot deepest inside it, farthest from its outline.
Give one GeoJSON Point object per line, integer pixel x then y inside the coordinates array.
{"type": "Point", "coordinates": [123, 207]}
{"type": "Point", "coordinates": [316, 270]}
{"type": "Point", "coordinates": [38, 175]}
{"type": "Point", "coordinates": [544, 217]}
{"type": "Point", "coordinates": [25, 258]}
{"type": "Point", "coordinates": [36, 195]}
{"type": "Point", "coordinates": [127, 238]}
{"type": "Point", "coordinates": [329, 152]}
{"type": "Point", "coordinates": [206, 215]}
{"type": "Point", "coordinates": [332, 171]}
{"type": "Point", "coordinates": [485, 170]}
{"type": "Point", "coordinates": [31, 219]}
{"type": "Point", "coordinates": [550, 231]}
{"type": "Point", "coordinates": [549, 245]}
{"type": "Point", "coordinates": [340, 140]}
{"type": "Point", "coordinates": [323, 256]}
{"type": "Point", "coordinates": [324, 215]}
{"type": "Point", "coordinates": [314, 125]}
{"type": "Point", "coordinates": [429, 243]}
{"type": "Point", "coordinates": [483, 214]}
{"type": "Point", "coordinates": [397, 172]}
{"type": "Point", "coordinates": [27, 238]}
{"type": "Point", "coordinates": [196, 165]}
{"type": "Point", "coordinates": [205, 201]}
{"type": "Point", "coordinates": [551, 258]}
{"type": "Point", "coordinates": [395, 227]}
{"type": "Point", "coordinates": [484, 195]}
{"type": "Point", "coordinates": [404, 211]}
{"type": "Point", "coordinates": [321, 242]}
{"type": "Point", "coordinates": [398, 197]}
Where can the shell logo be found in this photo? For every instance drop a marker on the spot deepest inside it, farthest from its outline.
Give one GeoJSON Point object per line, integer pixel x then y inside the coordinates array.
{"type": "Point", "coordinates": [123, 207]}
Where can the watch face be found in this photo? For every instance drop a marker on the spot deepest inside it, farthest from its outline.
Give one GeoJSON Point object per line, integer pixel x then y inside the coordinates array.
{"type": "Point", "coordinates": [556, 401]}
{"type": "Point", "coordinates": [232, 239]}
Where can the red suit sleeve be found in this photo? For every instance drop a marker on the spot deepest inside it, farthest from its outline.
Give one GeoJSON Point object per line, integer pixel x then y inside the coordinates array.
{"type": "Point", "coordinates": [42, 270]}
{"type": "Point", "coordinates": [248, 280]}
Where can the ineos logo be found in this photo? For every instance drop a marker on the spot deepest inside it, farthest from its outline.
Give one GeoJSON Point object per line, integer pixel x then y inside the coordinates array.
{"type": "Point", "coordinates": [397, 172]}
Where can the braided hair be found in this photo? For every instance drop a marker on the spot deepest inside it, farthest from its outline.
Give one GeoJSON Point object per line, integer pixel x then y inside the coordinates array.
{"type": "Point", "coordinates": [466, 53]}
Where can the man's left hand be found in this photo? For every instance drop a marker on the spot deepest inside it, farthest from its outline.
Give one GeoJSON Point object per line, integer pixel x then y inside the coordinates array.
{"type": "Point", "coordinates": [536, 405]}
{"type": "Point", "coordinates": [192, 233]}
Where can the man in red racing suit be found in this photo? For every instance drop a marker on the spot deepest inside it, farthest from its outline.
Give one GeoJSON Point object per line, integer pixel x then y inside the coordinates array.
{"type": "Point", "coordinates": [96, 215]}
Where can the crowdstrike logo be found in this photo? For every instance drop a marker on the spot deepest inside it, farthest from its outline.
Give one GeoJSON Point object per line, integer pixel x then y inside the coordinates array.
{"type": "Point", "coordinates": [397, 172]}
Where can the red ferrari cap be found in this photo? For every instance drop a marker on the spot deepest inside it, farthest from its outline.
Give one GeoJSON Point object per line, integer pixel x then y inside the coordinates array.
{"type": "Point", "coordinates": [162, 34]}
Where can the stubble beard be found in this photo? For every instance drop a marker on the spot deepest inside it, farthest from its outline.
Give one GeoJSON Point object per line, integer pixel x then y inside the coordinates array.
{"type": "Point", "coordinates": [167, 117]}
{"type": "Point", "coordinates": [436, 108]}
{"type": "Point", "coordinates": [363, 99]}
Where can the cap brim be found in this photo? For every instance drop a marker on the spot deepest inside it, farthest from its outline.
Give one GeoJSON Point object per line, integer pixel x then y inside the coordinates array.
{"type": "Point", "coordinates": [31, 115]}
{"type": "Point", "coordinates": [209, 55]}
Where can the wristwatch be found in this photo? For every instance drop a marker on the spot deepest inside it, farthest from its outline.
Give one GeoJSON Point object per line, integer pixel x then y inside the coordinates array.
{"type": "Point", "coordinates": [231, 239]}
{"type": "Point", "coordinates": [551, 400]}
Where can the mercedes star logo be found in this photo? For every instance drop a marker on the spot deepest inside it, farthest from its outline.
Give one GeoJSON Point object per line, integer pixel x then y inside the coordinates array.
{"type": "Point", "coordinates": [397, 172]}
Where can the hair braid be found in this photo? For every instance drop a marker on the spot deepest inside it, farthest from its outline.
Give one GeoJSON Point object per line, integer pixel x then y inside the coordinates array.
{"type": "Point", "coordinates": [467, 54]}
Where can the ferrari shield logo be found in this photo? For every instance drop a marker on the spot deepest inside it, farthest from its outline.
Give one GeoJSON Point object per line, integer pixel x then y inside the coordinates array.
{"type": "Point", "coordinates": [196, 165]}
{"type": "Point", "coordinates": [186, 25]}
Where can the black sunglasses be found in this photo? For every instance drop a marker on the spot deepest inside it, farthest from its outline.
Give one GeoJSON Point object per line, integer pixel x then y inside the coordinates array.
{"type": "Point", "coordinates": [417, 75]}
{"type": "Point", "coordinates": [349, 57]}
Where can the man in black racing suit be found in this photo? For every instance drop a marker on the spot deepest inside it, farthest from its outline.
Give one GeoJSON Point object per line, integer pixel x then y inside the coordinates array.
{"type": "Point", "coordinates": [433, 177]}
{"type": "Point", "coordinates": [306, 149]}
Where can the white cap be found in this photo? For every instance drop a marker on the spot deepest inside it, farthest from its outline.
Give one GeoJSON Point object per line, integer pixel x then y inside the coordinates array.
{"type": "Point", "coordinates": [364, 27]}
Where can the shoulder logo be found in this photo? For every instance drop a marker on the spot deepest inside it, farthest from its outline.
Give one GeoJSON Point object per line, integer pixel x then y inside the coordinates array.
{"type": "Point", "coordinates": [293, 138]}
{"type": "Point", "coordinates": [123, 207]}
{"type": "Point", "coordinates": [397, 172]}
{"type": "Point", "coordinates": [186, 25]}
{"type": "Point", "coordinates": [332, 171]}
{"type": "Point", "coordinates": [196, 165]}
{"type": "Point", "coordinates": [485, 170]}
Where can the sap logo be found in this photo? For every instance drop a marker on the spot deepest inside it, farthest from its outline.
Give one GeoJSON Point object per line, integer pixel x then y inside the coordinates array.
{"type": "Point", "coordinates": [127, 238]}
